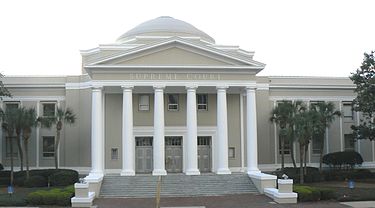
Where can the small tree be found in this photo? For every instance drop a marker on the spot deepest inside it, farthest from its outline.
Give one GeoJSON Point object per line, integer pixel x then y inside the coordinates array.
{"type": "Point", "coordinates": [29, 121]}
{"type": "Point", "coordinates": [364, 79]}
{"type": "Point", "coordinates": [62, 116]}
{"type": "Point", "coordinates": [19, 118]}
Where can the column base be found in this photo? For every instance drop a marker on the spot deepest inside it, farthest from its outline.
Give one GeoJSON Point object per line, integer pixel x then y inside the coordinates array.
{"type": "Point", "coordinates": [253, 170]}
{"type": "Point", "coordinates": [223, 171]}
{"type": "Point", "coordinates": [127, 173]}
{"type": "Point", "coordinates": [95, 174]}
{"type": "Point", "coordinates": [192, 172]}
{"type": "Point", "coordinates": [158, 172]}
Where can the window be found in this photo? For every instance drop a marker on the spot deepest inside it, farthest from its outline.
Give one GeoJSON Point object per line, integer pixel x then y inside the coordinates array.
{"type": "Point", "coordinates": [49, 109]}
{"type": "Point", "coordinates": [144, 103]}
{"type": "Point", "coordinates": [202, 100]}
{"type": "Point", "coordinates": [143, 141]}
{"type": "Point", "coordinates": [114, 153]}
{"type": "Point", "coordinates": [349, 142]}
{"type": "Point", "coordinates": [231, 152]}
{"type": "Point", "coordinates": [204, 140]}
{"type": "Point", "coordinates": [14, 147]}
{"type": "Point", "coordinates": [12, 105]}
{"type": "Point", "coordinates": [286, 146]}
{"type": "Point", "coordinates": [48, 146]}
{"type": "Point", "coordinates": [348, 110]}
{"type": "Point", "coordinates": [316, 144]}
{"type": "Point", "coordinates": [173, 102]}
{"type": "Point", "coordinates": [173, 141]}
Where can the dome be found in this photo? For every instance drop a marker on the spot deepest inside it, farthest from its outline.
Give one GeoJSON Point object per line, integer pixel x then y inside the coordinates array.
{"type": "Point", "coordinates": [165, 26]}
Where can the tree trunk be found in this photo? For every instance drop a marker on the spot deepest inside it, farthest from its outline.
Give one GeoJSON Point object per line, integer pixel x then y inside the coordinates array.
{"type": "Point", "coordinates": [20, 151]}
{"type": "Point", "coordinates": [292, 154]}
{"type": "Point", "coordinates": [11, 160]}
{"type": "Point", "coordinates": [301, 150]}
{"type": "Point", "coordinates": [282, 153]}
{"type": "Point", "coordinates": [321, 155]}
{"type": "Point", "coordinates": [56, 148]}
{"type": "Point", "coordinates": [306, 150]}
{"type": "Point", "coordinates": [25, 146]}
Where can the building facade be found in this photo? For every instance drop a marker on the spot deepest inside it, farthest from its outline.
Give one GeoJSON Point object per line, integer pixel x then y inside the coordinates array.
{"type": "Point", "coordinates": [165, 98]}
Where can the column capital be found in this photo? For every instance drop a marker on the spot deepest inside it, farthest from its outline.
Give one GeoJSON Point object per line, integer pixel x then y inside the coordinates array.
{"type": "Point", "coordinates": [97, 87]}
{"type": "Point", "coordinates": [158, 87]}
{"type": "Point", "coordinates": [191, 87]}
{"type": "Point", "coordinates": [127, 87]}
{"type": "Point", "coordinates": [249, 87]}
{"type": "Point", "coordinates": [222, 87]}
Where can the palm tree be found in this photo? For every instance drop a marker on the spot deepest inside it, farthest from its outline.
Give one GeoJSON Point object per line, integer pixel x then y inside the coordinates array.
{"type": "Point", "coordinates": [62, 116]}
{"type": "Point", "coordinates": [281, 116]}
{"type": "Point", "coordinates": [29, 121]}
{"type": "Point", "coordinates": [326, 114]}
{"type": "Point", "coordinates": [19, 113]}
{"type": "Point", "coordinates": [8, 124]}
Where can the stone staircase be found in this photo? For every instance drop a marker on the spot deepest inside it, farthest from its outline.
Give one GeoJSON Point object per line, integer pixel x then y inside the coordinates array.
{"type": "Point", "coordinates": [176, 185]}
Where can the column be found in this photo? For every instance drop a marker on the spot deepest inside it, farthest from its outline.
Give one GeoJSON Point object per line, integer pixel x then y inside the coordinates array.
{"type": "Point", "coordinates": [222, 131]}
{"type": "Point", "coordinates": [128, 148]}
{"type": "Point", "coordinates": [191, 126]}
{"type": "Point", "coordinates": [252, 144]}
{"type": "Point", "coordinates": [97, 139]}
{"type": "Point", "coordinates": [158, 143]}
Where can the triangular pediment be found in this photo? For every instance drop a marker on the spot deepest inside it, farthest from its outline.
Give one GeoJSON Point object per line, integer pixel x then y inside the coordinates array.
{"type": "Point", "coordinates": [174, 53]}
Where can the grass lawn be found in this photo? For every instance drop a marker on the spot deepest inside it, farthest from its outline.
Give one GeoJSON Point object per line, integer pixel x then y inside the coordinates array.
{"type": "Point", "coordinates": [364, 189]}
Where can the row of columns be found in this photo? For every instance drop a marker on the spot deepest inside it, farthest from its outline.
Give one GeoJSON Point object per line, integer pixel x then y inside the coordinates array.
{"type": "Point", "coordinates": [128, 142]}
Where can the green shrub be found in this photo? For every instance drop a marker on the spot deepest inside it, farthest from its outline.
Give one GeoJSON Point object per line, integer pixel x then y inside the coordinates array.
{"type": "Point", "coordinates": [306, 193]}
{"type": "Point", "coordinates": [19, 181]}
{"type": "Point", "coordinates": [313, 174]}
{"type": "Point", "coordinates": [70, 189]}
{"type": "Point", "coordinates": [341, 175]}
{"type": "Point", "coordinates": [49, 198]}
{"type": "Point", "coordinates": [1, 167]}
{"type": "Point", "coordinates": [36, 181]}
{"type": "Point", "coordinates": [343, 159]}
{"type": "Point", "coordinates": [4, 173]}
{"type": "Point", "coordinates": [64, 178]}
{"type": "Point", "coordinates": [326, 193]}
{"type": "Point", "coordinates": [14, 200]}
{"type": "Point", "coordinates": [4, 181]}
{"type": "Point", "coordinates": [35, 198]}
{"type": "Point", "coordinates": [63, 198]}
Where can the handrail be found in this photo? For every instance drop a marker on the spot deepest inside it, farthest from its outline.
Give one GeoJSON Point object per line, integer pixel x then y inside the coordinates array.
{"type": "Point", "coordinates": [158, 190]}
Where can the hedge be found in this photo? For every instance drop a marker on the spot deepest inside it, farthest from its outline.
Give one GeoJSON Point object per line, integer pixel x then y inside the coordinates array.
{"type": "Point", "coordinates": [14, 200]}
{"type": "Point", "coordinates": [341, 175]}
{"type": "Point", "coordinates": [1, 167]}
{"type": "Point", "coordinates": [36, 181]}
{"type": "Point", "coordinates": [59, 197]}
{"type": "Point", "coordinates": [344, 159]}
{"type": "Point", "coordinates": [313, 174]}
{"type": "Point", "coordinates": [307, 193]}
{"type": "Point", "coordinates": [64, 178]}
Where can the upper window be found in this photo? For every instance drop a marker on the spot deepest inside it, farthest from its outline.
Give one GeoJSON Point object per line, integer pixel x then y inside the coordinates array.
{"type": "Point", "coordinates": [48, 146]}
{"type": "Point", "coordinates": [348, 110]}
{"type": "Point", "coordinates": [317, 144]}
{"type": "Point", "coordinates": [231, 152]}
{"type": "Point", "coordinates": [286, 146]}
{"type": "Point", "coordinates": [173, 102]}
{"type": "Point", "coordinates": [349, 142]}
{"type": "Point", "coordinates": [12, 105]}
{"type": "Point", "coordinates": [144, 103]}
{"type": "Point", "coordinates": [8, 146]}
{"type": "Point", "coordinates": [202, 101]}
{"type": "Point", "coordinates": [49, 109]}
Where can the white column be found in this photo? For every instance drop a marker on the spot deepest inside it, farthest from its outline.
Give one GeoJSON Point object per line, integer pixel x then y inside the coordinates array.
{"type": "Point", "coordinates": [252, 143]}
{"type": "Point", "coordinates": [222, 131]}
{"type": "Point", "coordinates": [191, 126]}
{"type": "Point", "coordinates": [97, 139]}
{"type": "Point", "coordinates": [158, 143]}
{"type": "Point", "coordinates": [128, 148]}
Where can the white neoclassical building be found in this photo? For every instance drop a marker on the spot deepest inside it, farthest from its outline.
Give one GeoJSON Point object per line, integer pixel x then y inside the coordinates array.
{"type": "Point", "coordinates": [165, 98]}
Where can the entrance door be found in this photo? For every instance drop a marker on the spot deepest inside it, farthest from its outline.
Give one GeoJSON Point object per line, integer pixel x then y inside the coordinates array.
{"type": "Point", "coordinates": [143, 155]}
{"type": "Point", "coordinates": [204, 154]}
{"type": "Point", "coordinates": [173, 154]}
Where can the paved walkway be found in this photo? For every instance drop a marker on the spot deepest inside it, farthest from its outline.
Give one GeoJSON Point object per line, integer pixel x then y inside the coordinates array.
{"type": "Point", "coordinates": [230, 201]}
{"type": "Point", "coordinates": [360, 204]}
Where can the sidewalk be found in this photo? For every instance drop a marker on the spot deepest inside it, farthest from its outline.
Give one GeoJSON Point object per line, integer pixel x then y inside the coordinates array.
{"type": "Point", "coordinates": [230, 201]}
{"type": "Point", "coordinates": [360, 204]}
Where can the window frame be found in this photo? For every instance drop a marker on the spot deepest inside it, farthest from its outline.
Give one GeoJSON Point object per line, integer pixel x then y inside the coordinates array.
{"type": "Point", "coordinates": [202, 104]}
{"type": "Point", "coordinates": [345, 104]}
{"type": "Point", "coordinates": [140, 105]}
{"type": "Point", "coordinates": [233, 150]}
{"type": "Point", "coordinates": [114, 153]}
{"type": "Point", "coordinates": [48, 152]}
{"type": "Point", "coordinates": [48, 103]}
{"type": "Point", "coordinates": [173, 104]}
{"type": "Point", "coordinates": [313, 141]}
{"type": "Point", "coordinates": [7, 148]}
{"type": "Point", "coordinates": [351, 142]}
{"type": "Point", "coordinates": [12, 103]}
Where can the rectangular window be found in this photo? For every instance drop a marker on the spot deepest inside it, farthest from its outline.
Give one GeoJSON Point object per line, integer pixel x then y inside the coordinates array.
{"type": "Point", "coordinates": [349, 142]}
{"type": "Point", "coordinates": [114, 153]}
{"type": "Point", "coordinates": [12, 105]}
{"type": "Point", "coordinates": [286, 146]}
{"type": "Point", "coordinates": [144, 103]}
{"type": "Point", "coordinates": [231, 152]}
{"type": "Point", "coordinates": [172, 102]}
{"type": "Point", "coordinates": [48, 146]}
{"type": "Point", "coordinates": [202, 102]}
{"type": "Point", "coordinates": [49, 109]}
{"type": "Point", "coordinates": [14, 147]}
{"type": "Point", "coordinates": [348, 110]}
{"type": "Point", "coordinates": [316, 144]}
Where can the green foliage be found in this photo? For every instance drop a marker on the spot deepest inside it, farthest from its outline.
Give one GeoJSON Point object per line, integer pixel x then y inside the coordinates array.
{"type": "Point", "coordinates": [364, 79]}
{"type": "Point", "coordinates": [59, 197]}
{"type": "Point", "coordinates": [341, 175]}
{"type": "Point", "coordinates": [1, 167]}
{"type": "Point", "coordinates": [64, 178]}
{"type": "Point", "coordinates": [36, 181]}
{"type": "Point", "coordinates": [14, 200]}
{"type": "Point", "coordinates": [3, 90]}
{"type": "Point", "coordinates": [346, 159]}
{"type": "Point", "coordinates": [313, 174]}
{"type": "Point", "coordinates": [327, 194]}
{"type": "Point", "coordinates": [307, 193]}
{"type": "Point", "coordinates": [70, 189]}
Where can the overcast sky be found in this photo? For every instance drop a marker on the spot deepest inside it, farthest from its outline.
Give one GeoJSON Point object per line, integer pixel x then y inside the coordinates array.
{"type": "Point", "coordinates": [294, 38]}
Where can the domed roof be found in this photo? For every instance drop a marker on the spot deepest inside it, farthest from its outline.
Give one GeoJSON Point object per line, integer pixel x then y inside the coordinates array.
{"type": "Point", "coordinates": [165, 26]}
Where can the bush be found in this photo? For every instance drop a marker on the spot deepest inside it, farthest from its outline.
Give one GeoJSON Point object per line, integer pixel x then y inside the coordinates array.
{"type": "Point", "coordinates": [49, 198]}
{"type": "Point", "coordinates": [326, 193]}
{"type": "Point", "coordinates": [1, 167]}
{"type": "Point", "coordinates": [341, 175]}
{"type": "Point", "coordinates": [313, 174]}
{"type": "Point", "coordinates": [36, 181]}
{"type": "Point", "coordinates": [52, 197]}
{"type": "Point", "coordinates": [35, 198]}
{"type": "Point", "coordinates": [70, 189]}
{"type": "Point", "coordinates": [4, 181]}
{"type": "Point", "coordinates": [14, 200]}
{"type": "Point", "coordinates": [307, 193]}
{"type": "Point", "coordinates": [19, 181]}
{"type": "Point", "coordinates": [63, 198]}
{"type": "Point", "coordinates": [64, 178]}
{"type": "Point", "coordinates": [344, 159]}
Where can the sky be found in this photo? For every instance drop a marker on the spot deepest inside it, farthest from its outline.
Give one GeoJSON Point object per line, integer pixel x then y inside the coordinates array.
{"type": "Point", "coordinates": [292, 37]}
